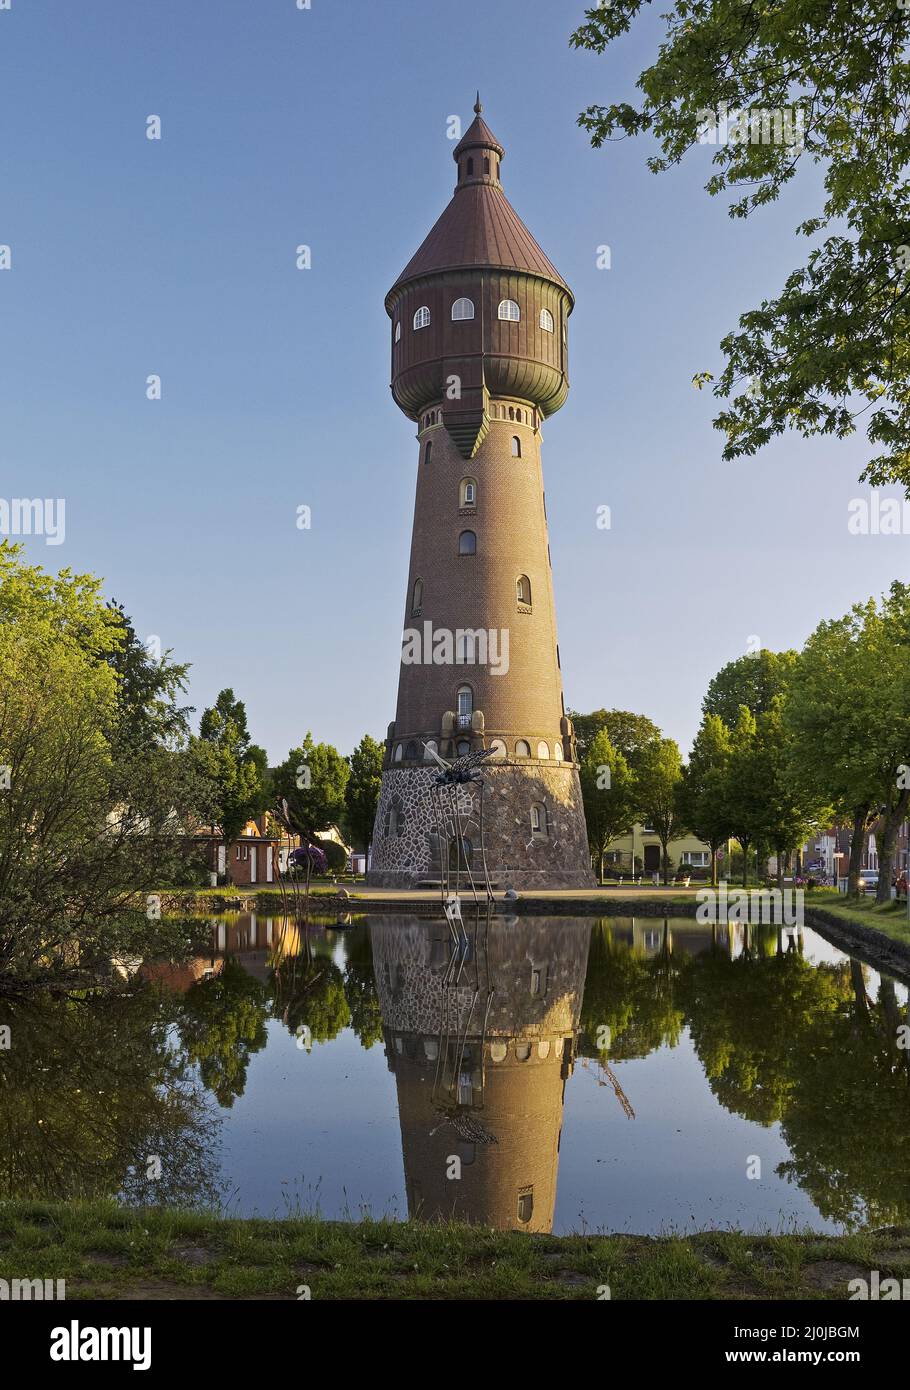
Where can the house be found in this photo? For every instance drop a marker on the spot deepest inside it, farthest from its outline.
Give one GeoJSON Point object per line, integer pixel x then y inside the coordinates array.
{"type": "Point", "coordinates": [248, 859]}
{"type": "Point", "coordinates": [831, 847]}
{"type": "Point", "coordinates": [641, 849]}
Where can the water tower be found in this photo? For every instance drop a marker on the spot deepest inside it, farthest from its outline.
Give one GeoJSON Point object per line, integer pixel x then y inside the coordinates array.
{"type": "Point", "coordinates": [479, 327]}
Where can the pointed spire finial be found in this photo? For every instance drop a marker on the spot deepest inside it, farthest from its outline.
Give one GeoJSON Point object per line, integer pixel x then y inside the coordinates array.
{"type": "Point", "coordinates": [478, 107]}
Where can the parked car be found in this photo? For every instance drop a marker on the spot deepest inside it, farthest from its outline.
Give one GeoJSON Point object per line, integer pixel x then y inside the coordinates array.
{"type": "Point", "coordinates": [868, 879]}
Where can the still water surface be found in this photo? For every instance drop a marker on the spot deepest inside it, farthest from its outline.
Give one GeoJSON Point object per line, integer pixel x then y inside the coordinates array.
{"type": "Point", "coordinates": [541, 1073]}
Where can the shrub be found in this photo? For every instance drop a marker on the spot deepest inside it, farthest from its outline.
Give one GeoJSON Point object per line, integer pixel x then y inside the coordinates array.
{"type": "Point", "coordinates": [336, 856]}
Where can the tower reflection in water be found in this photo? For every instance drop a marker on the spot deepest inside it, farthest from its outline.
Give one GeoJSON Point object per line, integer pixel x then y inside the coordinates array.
{"type": "Point", "coordinates": [480, 1029]}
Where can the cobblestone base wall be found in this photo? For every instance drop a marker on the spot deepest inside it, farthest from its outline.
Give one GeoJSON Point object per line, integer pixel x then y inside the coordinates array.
{"type": "Point", "coordinates": [516, 857]}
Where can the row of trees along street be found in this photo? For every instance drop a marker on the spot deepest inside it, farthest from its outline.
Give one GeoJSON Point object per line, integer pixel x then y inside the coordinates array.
{"type": "Point", "coordinates": [790, 744]}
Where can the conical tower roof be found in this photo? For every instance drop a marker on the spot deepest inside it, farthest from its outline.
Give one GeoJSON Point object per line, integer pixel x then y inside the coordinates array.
{"type": "Point", "coordinates": [479, 227]}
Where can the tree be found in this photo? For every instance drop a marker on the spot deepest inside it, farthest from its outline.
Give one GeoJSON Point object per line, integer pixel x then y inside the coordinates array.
{"type": "Point", "coordinates": [744, 786]}
{"type": "Point", "coordinates": [832, 343]}
{"type": "Point", "coordinates": [89, 825]}
{"type": "Point", "coordinates": [752, 680]}
{"type": "Point", "coordinates": [848, 710]}
{"type": "Point", "coordinates": [147, 690]}
{"type": "Point", "coordinates": [236, 767]}
{"type": "Point", "coordinates": [629, 733]}
{"type": "Point", "coordinates": [607, 789]}
{"type": "Point", "coordinates": [790, 810]}
{"type": "Point", "coordinates": [657, 792]}
{"type": "Point", "coordinates": [703, 796]}
{"type": "Point", "coordinates": [312, 779]}
{"type": "Point", "coordinates": [361, 794]}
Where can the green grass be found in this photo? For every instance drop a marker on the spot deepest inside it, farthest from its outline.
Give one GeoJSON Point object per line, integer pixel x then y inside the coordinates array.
{"type": "Point", "coordinates": [890, 919]}
{"type": "Point", "coordinates": [105, 1251]}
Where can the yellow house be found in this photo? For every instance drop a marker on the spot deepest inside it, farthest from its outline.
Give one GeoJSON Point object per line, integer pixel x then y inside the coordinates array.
{"type": "Point", "coordinates": [641, 848]}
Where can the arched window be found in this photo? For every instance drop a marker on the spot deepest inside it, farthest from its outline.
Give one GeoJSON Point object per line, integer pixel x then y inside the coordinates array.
{"type": "Point", "coordinates": [417, 598]}
{"type": "Point", "coordinates": [467, 543]}
{"type": "Point", "coordinates": [543, 751]}
{"type": "Point", "coordinates": [398, 752]}
{"type": "Point", "coordinates": [470, 167]}
{"type": "Point", "coordinates": [463, 309]}
{"type": "Point", "coordinates": [463, 748]}
{"type": "Point", "coordinates": [538, 819]}
{"type": "Point", "coordinates": [422, 317]}
{"type": "Point", "coordinates": [508, 309]}
{"type": "Point", "coordinates": [522, 749]}
{"type": "Point", "coordinates": [428, 451]}
{"type": "Point", "coordinates": [497, 748]}
{"type": "Point", "coordinates": [525, 1207]}
{"type": "Point", "coordinates": [546, 320]}
{"type": "Point", "coordinates": [486, 166]}
{"type": "Point", "coordinates": [464, 701]}
{"type": "Point", "coordinates": [523, 588]}
{"type": "Point", "coordinates": [557, 752]}
{"type": "Point", "coordinates": [516, 447]}
{"type": "Point", "coordinates": [411, 751]}
{"type": "Point", "coordinates": [394, 817]}
{"type": "Point", "coordinates": [429, 748]}
{"type": "Point", "coordinates": [398, 331]}
{"type": "Point", "coordinates": [468, 493]}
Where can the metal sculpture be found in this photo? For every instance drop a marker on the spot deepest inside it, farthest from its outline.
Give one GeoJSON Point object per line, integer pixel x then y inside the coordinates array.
{"type": "Point", "coordinates": [448, 813]}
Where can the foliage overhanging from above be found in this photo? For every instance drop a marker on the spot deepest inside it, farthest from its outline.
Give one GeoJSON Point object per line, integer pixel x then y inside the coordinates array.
{"type": "Point", "coordinates": [828, 353]}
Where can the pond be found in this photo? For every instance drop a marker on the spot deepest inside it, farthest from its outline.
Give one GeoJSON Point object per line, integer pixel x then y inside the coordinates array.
{"type": "Point", "coordinates": [542, 1073]}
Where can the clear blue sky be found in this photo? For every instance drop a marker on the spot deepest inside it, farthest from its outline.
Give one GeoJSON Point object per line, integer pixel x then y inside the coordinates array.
{"type": "Point", "coordinates": [328, 127]}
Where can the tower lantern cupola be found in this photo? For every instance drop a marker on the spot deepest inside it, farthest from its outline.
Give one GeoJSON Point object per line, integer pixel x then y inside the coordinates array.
{"type": "Point", "coordinates": [478, 152]}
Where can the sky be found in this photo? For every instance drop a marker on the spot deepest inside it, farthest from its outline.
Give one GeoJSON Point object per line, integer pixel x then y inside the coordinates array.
{"type": "Point", "coordinates": [176, 257]}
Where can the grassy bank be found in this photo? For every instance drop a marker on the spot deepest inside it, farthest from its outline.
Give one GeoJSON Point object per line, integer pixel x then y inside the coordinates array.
{"type": "Point", "coordinates": [104, 1251]}
{"type": "Point", "coordinates": [890, 919]}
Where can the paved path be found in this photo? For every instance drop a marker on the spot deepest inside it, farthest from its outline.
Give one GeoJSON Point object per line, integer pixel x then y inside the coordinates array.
{"type": "Point", "coordinates": [556, 894]}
